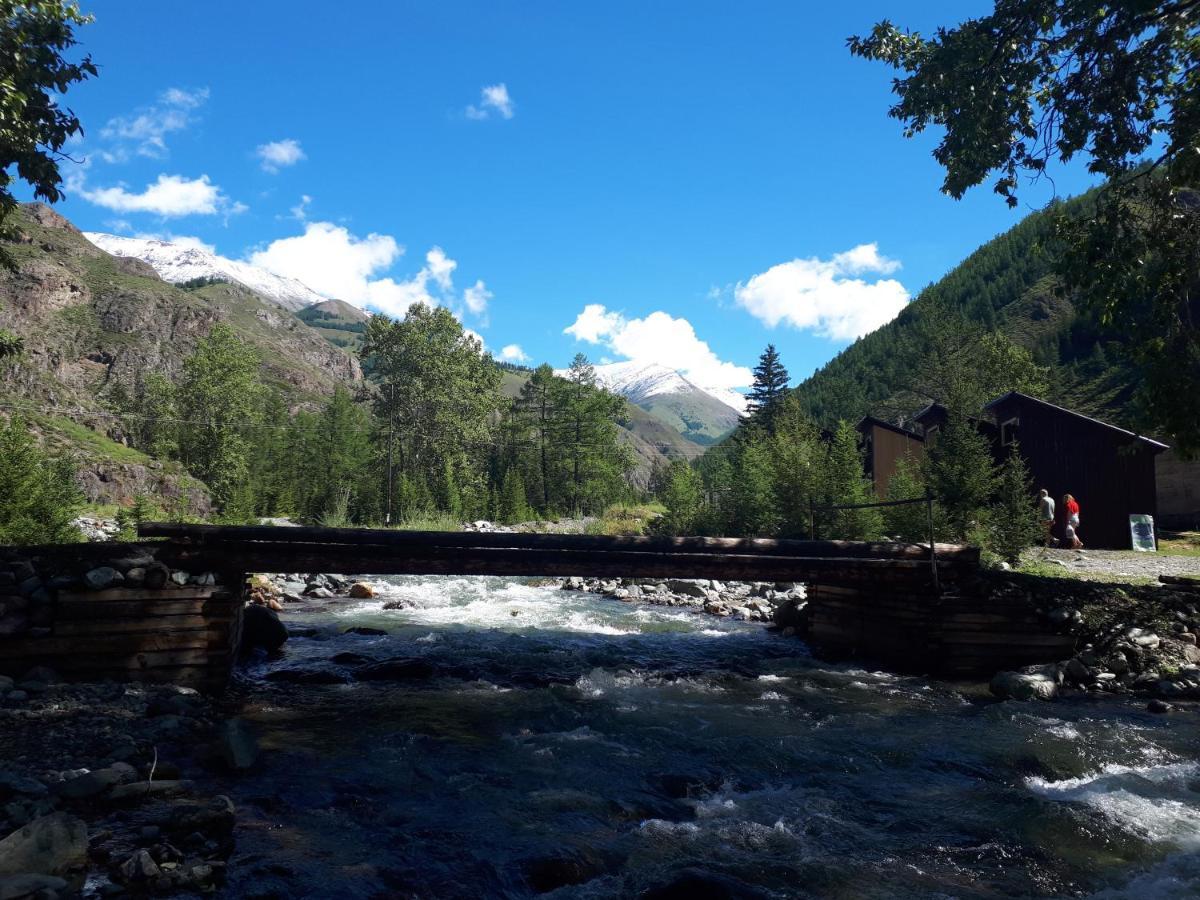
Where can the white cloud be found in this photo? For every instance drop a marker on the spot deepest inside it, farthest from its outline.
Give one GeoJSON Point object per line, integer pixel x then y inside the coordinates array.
{"type": "Point", "coordinates": [492, 99]}
{"type": "Point", "coordinates": [660, 338]}
{"type": "Point", "coordinates": [476, 298]}
{"type": "Point", "coordinates": [828, 297]}
{"type": "Point", "coordinates": [145, 132]}
{"type": "Point", "coordinates": [513, 353]}
{"type": "Point", "coordinates": [279, 154]}
{"type": "Point", "coordinates": [169, 196]}
{"type": "Point", "coordinates": [336, 263]}
{"type": "Point", "coordinates": [118, 226]}
{"type": "Point", "coordinates": [300, 210]}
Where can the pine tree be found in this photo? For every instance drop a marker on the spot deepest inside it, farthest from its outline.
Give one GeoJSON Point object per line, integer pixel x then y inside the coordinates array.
{"type": "Point", "coordinates": [38, 494]}
{"type": "Point", "coordinates": [514, 507]}
{"type": "Point", "coordinates": [910, 522]}
{"type": "Point", "coordinates": [1014, 524]}
{"type": "Point", "coordinates": [683, 496]}
{"type": "Point", "coordinates": [961, 474]}
{"type": "Point", "coordinates": [770, 385]}
{"type": "Point", "coordinates": [845, 483]}
{"type": "Point", "coordinates": [220, 401]}
{"type": "Point", "coordinates": [753, 491]}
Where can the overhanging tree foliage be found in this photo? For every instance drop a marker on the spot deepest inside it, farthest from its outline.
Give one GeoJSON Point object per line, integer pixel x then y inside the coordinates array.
{"type": "Point", "coordinates": [33, 75]}
{"type": "Point", "coordinates": [1043, 80]}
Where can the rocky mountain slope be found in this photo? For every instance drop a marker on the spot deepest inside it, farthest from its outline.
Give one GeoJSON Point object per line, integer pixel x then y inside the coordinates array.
{"type": "Point", "coordinates": [91, 320]}
{"type": "Point", "coordinates": [701, 416]}
{"type": "Point", "coordinates": [179, 263]}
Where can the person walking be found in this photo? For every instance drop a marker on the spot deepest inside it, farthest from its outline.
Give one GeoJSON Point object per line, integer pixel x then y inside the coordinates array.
{"type": "Point", "coordinates": [1046, 515]}
{"type": "Point", "coordinates": [1071, 528]}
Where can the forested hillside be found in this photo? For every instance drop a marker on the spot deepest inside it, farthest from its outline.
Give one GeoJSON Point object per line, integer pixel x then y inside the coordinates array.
{"type": "Point", "coordinates": [1007, 285]}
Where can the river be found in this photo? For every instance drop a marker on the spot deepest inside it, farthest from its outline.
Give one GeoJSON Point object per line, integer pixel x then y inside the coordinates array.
{"type": "Point", "coordinates": [558, 742]}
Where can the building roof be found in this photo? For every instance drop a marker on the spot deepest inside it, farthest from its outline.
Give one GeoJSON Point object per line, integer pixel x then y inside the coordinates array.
{"type": "Point", "coordinates": [1017, 395]}
{"type": "Point", "coordinates": [872, 420]}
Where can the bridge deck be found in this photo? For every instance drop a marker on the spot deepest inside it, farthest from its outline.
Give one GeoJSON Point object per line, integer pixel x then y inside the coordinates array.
{"type": "Point", "coordinates": [385, 552]}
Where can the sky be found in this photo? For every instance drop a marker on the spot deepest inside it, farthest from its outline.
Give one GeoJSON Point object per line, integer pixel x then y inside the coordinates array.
{"type": "Point", "coordinates": [672, 182]}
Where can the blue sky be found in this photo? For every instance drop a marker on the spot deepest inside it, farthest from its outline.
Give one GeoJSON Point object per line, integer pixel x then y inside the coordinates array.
{"type": "Point", "coordinates": [679, 182]}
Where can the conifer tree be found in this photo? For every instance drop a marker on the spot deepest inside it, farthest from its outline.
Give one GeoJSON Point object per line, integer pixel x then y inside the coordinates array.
{"type": "Point", "coordinates": [1014, 525]}
{"type": "Point", "coordinates": [683, 496]}
{"type": "Point", "coordinates": [961, 474]}
{"type": "Point", "coordinates": [38, 494]}
{"type": "Point", "coordinates": [514, 507]}
{"type": "Point", "coordinates": [770, 385]}
{"type": "Point", "coordinates": [220, 401]}
{"type": "Point", "coordinates": [845, 483]}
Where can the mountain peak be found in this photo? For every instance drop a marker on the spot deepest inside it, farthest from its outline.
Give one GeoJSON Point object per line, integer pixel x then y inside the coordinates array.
{"type": "Point", "coordinates": [178, 262]}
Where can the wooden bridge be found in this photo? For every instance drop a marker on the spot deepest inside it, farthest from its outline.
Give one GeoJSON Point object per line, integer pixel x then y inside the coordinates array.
{"type": "Point", "coordinates": [171, 608]}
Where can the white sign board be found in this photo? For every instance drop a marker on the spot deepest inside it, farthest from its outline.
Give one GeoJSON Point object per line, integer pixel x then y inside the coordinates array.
{"type": "Point", "coordinates": [1141, 532]}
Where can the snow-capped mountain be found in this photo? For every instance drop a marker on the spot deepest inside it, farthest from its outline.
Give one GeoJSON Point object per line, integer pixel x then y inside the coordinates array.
{"type": "Point", "coordinates": [702, 415]}
{"type": "Point", "coordinates": [639, 381]}
{"type": "Point", "coordinates": [179, 262]}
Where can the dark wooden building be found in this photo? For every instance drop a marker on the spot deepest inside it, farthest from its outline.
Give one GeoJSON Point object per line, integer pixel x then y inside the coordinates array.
{"type": "Point", "coordinates": [884, 445]}
{"type": "Point", "coordinates": [1109, 471]}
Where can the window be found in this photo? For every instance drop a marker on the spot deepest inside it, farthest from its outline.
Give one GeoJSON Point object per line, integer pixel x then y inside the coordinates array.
{"type": "Point", "coordinates": [1008, 431]}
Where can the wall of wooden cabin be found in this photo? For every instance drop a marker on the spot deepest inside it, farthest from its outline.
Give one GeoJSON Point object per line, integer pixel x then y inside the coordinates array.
{"type": "Point", "coordinates": [1111, 475]}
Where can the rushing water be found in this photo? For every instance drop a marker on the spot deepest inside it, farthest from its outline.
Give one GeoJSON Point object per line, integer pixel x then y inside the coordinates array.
{"type": "Point", "coordinates": [600, 749]}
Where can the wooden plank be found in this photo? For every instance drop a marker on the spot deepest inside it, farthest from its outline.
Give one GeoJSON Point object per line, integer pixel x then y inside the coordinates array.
{"type": "Point", "coordinates": [82, 646]}
{"type": "Point", "coordinates": [167, 592]}
{"type": "Point", "coordinates": [144, 660]}
{"type": "Point", "coordinates": [85, 610]}
{"type": "Point", "coordinates": [165, 625]}
{"type": "Point", "coordinates": [412, 540]}
{"type": "Point", "coordinates": [452, 561]}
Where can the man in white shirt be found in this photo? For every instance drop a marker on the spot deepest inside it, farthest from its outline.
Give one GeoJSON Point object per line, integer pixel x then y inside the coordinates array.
{"type": "Point", "coordinates": [1046, 514]}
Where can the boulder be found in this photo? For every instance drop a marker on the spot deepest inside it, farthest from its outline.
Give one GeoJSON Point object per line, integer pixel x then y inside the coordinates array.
{"type": "Point", "coordinates": [1031, 683]}
{"type": "Point", "coordinates": [261, 628]}
{"type": "Point", "coordinates": [90, 784]}
{"type": "Point", "coordinates": [365, 631]}
{"type": "Point", "coordinates": [20, 887]}
{"type": "Point", "coordinates": [50, 845]}
{"type": "Point", "coordinates": [102, 577]}
{"type": "Point", "coordinates": [360, 590]}
{"type": "Point", "coordinates": [237, 744]}
{"type": "Point", "coordinates": [687, 588]}
{"type": "Point", "coordinates": [1077, 672]}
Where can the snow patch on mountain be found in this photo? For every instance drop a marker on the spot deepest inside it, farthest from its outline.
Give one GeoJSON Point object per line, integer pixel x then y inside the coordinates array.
{"type": "Point", "coordinates": [639, 381]}
{"type": "Point", "coordinates": [180, 262]}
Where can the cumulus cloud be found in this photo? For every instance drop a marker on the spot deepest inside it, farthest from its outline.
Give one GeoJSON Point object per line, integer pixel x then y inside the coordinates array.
{"type": "Point", "coordinates": [492, 99]}
{"type": "Point", "coordinates": [476, 298]}
{"type": "Point", "coordinates": [145, 131]}
{"type": "Point", "coordinates": [277, 155]}
{"type": "Point", "coordinates": [661, 338]}
{"type": "Point", "coordinates": [513, 353]}
{"type": "Point", "coordinates": [169, 196]}
{"type": "Point", "coordinates": [336, 263]}
{"type": "Point", "coordinates": [840, 298]}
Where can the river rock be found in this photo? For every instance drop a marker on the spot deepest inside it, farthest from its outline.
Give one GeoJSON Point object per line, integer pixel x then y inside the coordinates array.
{"type": "Point", "coordinates": [1077, 672]}
{"type": "Point", "coordinates": [360, 590]}
{"type": "Point", "coordinates": [90, 784]}
{"type": "Point", "coordinates": [102, 577]}
{"type": "Point", "coordinates": [395, 669]}
{"type": "Point", "coordinates": [20, 887]}
{"type": "Point", "coordinates": [1031, 683]}
{"type": "Point", "coordinates": [696, 884]}
{"type": "Point", "coordinates": [140, 867]}
{"type": "Point", "coordinates": [687, 588]}
{"type": "Point", "coordinates": [261, 628]}
{"type": "Point", "coordinates": [51, 845]}
{"type": "Point", "coordinates": [365, 631]}
{"type": "Point", "coordinates": [237, 744]}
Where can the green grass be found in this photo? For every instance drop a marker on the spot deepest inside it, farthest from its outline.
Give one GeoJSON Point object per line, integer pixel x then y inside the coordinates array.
{"type": "Point", "coordinates": [1179, 543]}
{"type": "Point", "coordinates": [434, 521]}
{"type": "Point", "coordinates": [624, 518]}
{"type": "Point", "coordinates": [90, 442]}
